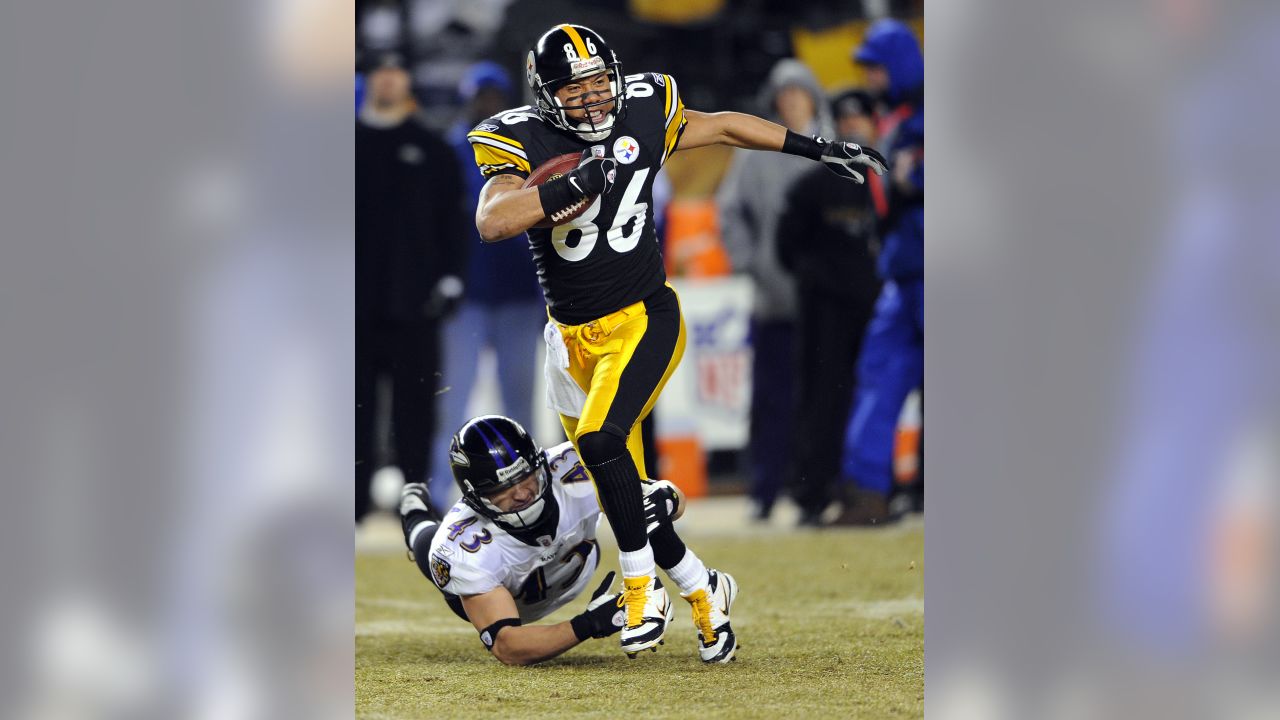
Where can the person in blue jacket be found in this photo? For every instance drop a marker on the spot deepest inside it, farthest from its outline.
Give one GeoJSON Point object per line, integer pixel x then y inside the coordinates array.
{"type": "Point", "coordinates": [892, 361]}
{"type": "Point", "coordinates": [500, 304]}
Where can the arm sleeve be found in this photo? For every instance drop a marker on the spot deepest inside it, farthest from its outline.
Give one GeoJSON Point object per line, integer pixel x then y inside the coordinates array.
{"type": "Point", "coordinates": [674, 120]}
{"type": "Point", "coordinates": [498, 153]}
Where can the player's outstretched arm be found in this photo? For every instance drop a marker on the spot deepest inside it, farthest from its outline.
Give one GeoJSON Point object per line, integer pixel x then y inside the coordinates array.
{"type": "Point", "coordinates": [731, 128]}
{"type": "Point", "coordinates": [495, 617]}
{"type": "Point", "coordinates": [754, 133]}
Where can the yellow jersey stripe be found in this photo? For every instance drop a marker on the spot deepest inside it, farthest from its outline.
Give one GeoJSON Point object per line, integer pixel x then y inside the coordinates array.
{"type": "Point", "coordinates": [579, 46]}
{"type": "Point", "coordinates": [673, 129]}
{"type": "Point", "coordinates": [673, 139]}
{"type": "Point", "coordinates": [495, 136]}
{"type": "Point", "coordinates": [487, 154]}
{"type": "Point", "coordinates": [666, 104]}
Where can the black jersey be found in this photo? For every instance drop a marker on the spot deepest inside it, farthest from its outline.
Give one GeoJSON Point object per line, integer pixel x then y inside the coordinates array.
{"type": "Point", "coordinates": [609, 257]}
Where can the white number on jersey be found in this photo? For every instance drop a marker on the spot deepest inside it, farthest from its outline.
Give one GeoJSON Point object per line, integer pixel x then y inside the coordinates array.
{"type": "Point", "coordinates": [518, 115]}
{"type": "Point", "coordinates": [585, 237]}
{"type": "Point", "coordinates": [629, 211]}
{"type": "Point", "coordinates": [636, 87]}
{"type": "Point", "coordinates": [619, 238]}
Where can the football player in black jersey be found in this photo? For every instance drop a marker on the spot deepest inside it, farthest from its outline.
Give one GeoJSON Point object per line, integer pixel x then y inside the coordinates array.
{"type": "Point", "coordinates": [616, 333]}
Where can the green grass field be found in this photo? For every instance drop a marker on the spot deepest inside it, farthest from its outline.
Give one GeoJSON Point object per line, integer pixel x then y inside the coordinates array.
{"type": "Point", "coordinates": [831, 624]}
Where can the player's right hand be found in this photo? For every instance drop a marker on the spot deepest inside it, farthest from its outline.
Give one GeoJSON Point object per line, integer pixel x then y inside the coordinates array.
{"type": "Point", "coordinates": [602, 617]}
{"type": "Point", "coordinates": [594, 174]}
{"type": "Point", "coordinates": [663, 503]}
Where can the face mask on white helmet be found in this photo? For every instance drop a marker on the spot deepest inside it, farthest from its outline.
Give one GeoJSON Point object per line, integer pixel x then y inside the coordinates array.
{"type": "Point", "coordinates": [530, 514]}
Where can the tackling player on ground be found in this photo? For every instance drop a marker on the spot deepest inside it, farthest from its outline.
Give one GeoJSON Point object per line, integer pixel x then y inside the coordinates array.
{"type": "Point", "coordinates": [522, 541]}
{"type": "Point", "coordinates": [616, 332]}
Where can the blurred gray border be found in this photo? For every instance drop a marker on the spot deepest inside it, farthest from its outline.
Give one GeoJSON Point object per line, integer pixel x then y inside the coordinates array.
{"type": "Point", "coordinates": [177, 334]}
{"type": "Point", "coordinates": [1101, 424]}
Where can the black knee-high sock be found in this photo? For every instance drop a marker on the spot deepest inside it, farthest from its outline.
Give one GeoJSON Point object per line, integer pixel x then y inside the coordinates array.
{"type": "Point", "coordinates": [619, 486]}
{"type": "Point", "coordinates": [668, 548]}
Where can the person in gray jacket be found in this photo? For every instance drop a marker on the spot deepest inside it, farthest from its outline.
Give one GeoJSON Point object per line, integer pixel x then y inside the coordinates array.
{"type": "Point", "coordinates": [751, 201]}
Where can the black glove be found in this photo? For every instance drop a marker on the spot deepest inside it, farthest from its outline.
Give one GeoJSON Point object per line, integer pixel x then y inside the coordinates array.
{"type": "Point", "coordinates": [840, 158]}
{"type": "Point", "coordinates": [603, 617]}
{"type": "Point", "coordinates": [593, 176]}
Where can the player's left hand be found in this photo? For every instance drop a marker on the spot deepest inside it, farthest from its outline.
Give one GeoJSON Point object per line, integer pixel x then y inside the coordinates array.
{"type": "Point", "coordinates": [594, 175]}
{"type": "Point", "coordinates": [841, 158]}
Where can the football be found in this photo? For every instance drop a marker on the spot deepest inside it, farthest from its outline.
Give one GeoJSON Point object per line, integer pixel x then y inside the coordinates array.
{"type": "Point", "coordinates": [552, 169]}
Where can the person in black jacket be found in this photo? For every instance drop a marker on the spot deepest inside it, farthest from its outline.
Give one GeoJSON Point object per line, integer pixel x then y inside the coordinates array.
{"type": "Point", "coordinates": [827, 240]}
{"type": "Point", "coordinates": [409, 255]}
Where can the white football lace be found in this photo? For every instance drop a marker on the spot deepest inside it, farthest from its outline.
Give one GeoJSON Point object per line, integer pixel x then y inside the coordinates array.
{"type": "Point", "coordinates": [557, 215]}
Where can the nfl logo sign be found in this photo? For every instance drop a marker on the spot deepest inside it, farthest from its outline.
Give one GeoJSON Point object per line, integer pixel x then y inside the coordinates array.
{"type": "Point", "coordinates": [626, 150]}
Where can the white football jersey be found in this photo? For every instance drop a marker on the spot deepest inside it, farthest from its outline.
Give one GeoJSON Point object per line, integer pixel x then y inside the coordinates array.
{"type": "Point", "coordinates": [471, 555]}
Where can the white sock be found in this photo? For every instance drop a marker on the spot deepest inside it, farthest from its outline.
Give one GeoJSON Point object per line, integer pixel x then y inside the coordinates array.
{"type": "Point", "coordinates": [689, 574]}
{"type": "Point", "coordinates": [638, 563]}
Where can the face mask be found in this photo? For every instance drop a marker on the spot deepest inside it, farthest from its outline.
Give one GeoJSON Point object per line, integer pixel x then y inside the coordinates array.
{"type": "Point", "coordinates": [528, 516]}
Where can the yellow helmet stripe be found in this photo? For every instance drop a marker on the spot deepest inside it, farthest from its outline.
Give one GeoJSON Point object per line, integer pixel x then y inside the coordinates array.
{"type": "Point", "coordinates": [579, 46]}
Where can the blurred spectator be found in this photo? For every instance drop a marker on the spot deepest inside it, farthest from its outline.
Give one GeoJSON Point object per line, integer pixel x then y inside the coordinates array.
{"type": "Point", "coordinates": [1190, 509]}
{"type": "Point", "coordinates": [751, 201]}
{"type": "Point", "coordinates": [381, 24]}
{"type": "Point", "coordinates": [407, 272]}
{"type": "Point", "coordinates": [892, 360]}
{"type": "Point", "coordinates": [501, 308]}
{"type": "Point", "coordinates": [827, 240]}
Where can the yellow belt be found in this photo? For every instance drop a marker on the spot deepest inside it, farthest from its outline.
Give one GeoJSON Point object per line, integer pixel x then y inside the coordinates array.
{"type": "Point", "coordinates": [603, 326]}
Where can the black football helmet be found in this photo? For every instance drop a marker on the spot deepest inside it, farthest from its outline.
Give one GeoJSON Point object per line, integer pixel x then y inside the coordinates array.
{"type": "Point", "coordinates": [572, 52]}
{"type": "Point", "coordinates": [492, 453]}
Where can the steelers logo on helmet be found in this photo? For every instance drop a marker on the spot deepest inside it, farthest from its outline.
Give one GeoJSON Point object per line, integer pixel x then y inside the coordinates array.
{"type": "Point", "coordinates": [530, 70]}
{"type": "Point", "coordinates": [574, 54]}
